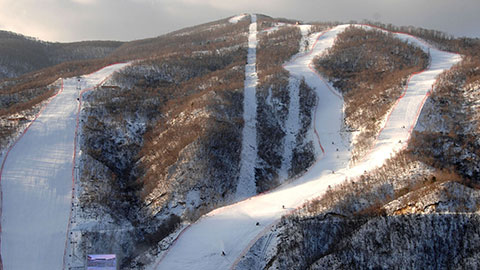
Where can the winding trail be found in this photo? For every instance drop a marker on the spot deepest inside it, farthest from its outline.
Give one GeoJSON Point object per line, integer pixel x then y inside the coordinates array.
{"type": "Point", "coordinates": [235, 228]}
{"type": "Point", "coordinates": [37, 182]}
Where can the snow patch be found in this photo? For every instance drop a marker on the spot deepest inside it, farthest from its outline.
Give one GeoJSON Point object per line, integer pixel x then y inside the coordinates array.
{"type": "Point", "coordinates": [237, 18]}
{"type": "Point", "coordinates": [274, 28]}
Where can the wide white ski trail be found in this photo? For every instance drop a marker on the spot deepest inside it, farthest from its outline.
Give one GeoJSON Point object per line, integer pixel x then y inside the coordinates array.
{"type": "Point", "coordinates": [235, 228]}
{"type": "Point", "coordinates": [37, 180]}
{"type": "Point", "coordinates": [246, 186]}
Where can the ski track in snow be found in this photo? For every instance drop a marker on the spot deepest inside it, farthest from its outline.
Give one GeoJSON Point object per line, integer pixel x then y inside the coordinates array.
{"type": "Point", "coordinates": [233, 230]}
{"type": "Point", "coordinates": [246, 186]}
{"type": "Point", "coordinates": [292, 124]}
{"type": "Point", "coordinates": [37, 182]}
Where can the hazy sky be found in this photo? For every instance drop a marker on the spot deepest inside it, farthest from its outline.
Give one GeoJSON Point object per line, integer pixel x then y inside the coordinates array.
{"type": "Point", "coordinates": [73, 20]}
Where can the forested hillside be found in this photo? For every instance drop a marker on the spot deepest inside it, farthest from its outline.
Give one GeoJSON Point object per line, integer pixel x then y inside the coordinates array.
{"type": "Point", "coordinates": [21, 54]}
{"type": "Point", "coordinates": [160, 142]}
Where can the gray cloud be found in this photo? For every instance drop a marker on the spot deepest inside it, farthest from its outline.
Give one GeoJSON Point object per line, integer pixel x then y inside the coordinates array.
{"type": "Point", "coordinates": [71, 20]}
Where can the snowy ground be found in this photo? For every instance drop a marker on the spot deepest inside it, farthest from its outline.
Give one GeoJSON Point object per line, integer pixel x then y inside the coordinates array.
{"type": "Point", "coordinates": [234, 229]}
{"type": "Point", "coordinates": [237, 18]}
{"type": "Point", "coordinates": [37, 181]}
{"type": "Point", "coordinates": [246, 183]}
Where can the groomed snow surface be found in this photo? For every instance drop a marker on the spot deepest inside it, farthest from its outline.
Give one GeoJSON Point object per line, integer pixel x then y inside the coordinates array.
{"type": "Point", "coordinates": [235, 228]}
{"type": "Point", "coordinates": [246, 182]}
{"type": "Point", "coordinates": [37, 180]}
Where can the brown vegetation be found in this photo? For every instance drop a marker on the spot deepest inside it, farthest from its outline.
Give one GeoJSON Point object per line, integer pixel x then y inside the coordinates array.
{"type": "Point", "coordinates": [172, 129]}
{"type": "Point", "coordinates": [276, 48]}
{"type": "Point", "coordinates": [440, 39]}
{"type": "Point", "coordinates": [206, 37]}
{"type": "Point", "coordinates": [198, 114]}
{"type": "Point", "coordinates": [185, 43]}
{"type": "Point", "coordinates": [22, 54]}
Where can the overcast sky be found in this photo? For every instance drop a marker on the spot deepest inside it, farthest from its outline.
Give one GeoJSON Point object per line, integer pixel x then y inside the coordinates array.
{"type": "Point", "coordinates": [73, 20]}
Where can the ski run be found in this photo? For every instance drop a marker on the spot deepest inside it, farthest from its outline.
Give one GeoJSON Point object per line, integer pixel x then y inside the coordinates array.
{"type": "Point", "coordinates": [292, 126]}
{"type": "Point", "coordinates": [37, 182]}
{"type": "Point", "coordinates": [220, 238]}
{"type": "Point", "coordinates": [246, 183]}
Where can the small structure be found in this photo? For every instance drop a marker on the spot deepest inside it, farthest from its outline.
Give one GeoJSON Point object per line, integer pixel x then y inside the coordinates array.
{"type": "Point", "coordinates": [102, 262]}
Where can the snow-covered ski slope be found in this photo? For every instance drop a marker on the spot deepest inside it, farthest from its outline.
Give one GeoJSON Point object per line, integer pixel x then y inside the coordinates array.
{"type": "Point", "coordinates": [396, 133]}
{"type": "Point", "coordinates": [37, 181]}
{"type": "Point", "coordinates": [235, 228]}
{"type": "Point", "coordinates": [246, 182]}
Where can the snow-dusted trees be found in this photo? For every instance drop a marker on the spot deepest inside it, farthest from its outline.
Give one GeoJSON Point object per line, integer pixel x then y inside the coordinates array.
{"type": "Point", "coordinates": [273, 95]}
{"type": "Point", "coordinates": [448, 138]}
{"type": "Point", "coordinates": [169, 136]}
{"type": "Point", "coordinates": [275, 48]}
{"type": "Point", "coordinates": [370, 68]}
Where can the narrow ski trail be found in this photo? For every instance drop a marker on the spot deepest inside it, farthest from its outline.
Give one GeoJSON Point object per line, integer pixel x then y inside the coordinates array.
{"type": "Point", "coordinates": [246, 183]}
{"type": "Point", "coordinates": [235, 228]}
{"type": "Point", "coordinates": [37, 181]}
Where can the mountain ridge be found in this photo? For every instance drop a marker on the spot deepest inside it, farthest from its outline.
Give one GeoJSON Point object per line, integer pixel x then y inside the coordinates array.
{"type": "Point", "coordinates": [160, 142]}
